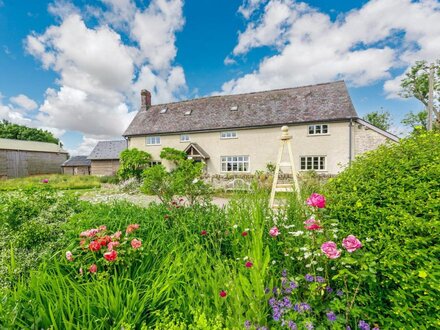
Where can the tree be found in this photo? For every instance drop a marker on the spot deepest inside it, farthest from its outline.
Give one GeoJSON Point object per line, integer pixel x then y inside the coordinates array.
{"type": "Point", "coordinates": [133, 162]}
{"type": "Point", "coordinates": [21, 132]}
{"type": "Point", "coordinates": [416, 84]}
{"type": "Point", "coordinates": [379, 119]}
{"type": "Point", "coordinates": [173, 155]}
{"type": "Point", "coordinates": [418, 120]}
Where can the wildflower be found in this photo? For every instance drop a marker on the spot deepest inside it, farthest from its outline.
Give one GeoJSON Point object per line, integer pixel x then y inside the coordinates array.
{"type": "Point", "coordinates": [363, 325]}
{"type": "Point", "coordinates": [320, 279]}
{"type": "Point", "coordinates": [135, 243]}
{"type": "Point", "coordinates": [81, 271]}
{"type": "Point", "coordinates": [351, 243]}
{"type": "Point", "coordinates": [104, 240]}
{"type": "Point", "coordinates": [203, 232]}
{"type": "Point", "coordinates": [89, 233]}
{"type": "Point", "coordinates": [292, 325]}
{"type": "Point", "coordinates": [249, 264]}
{"type": "Point", "coordinates": [284, 273]}
{"type": "Point", "coordinates": [93, 269]}
{"type": "Point", "coordinates": [376, 328]}
{"type": "Point", "coordinates": [274, 232]}
{"type": "Point", "coordinates": [247, 324]}
{"type": "Point", "coordinates": [348, 327]}
{"type": "Point", "coordinates": [320, 269]}
{"type": "Point", "coordinates": [244, 234]}
{"type": "Point", "coordinates": [111, 256]}
{"type": "Point", "coordinates": [296, 233]}
{"type": "Point", "coordinates": [316, 200]}
{"type": "Point", "coordinates": [309, 326]}
{"type": "Point", "coordinates": [222, 293]}
{"type": "Point", "coordinates": [293, 285]}
{"type": "Point", "coordinates": [266, 290]}
{"type": "Point", "coordinates": [131, 228]}
{"type": "Point", "coordinates": [45, 180]}
{"type": "Point", "coordinates": [302, 307]}
{"type": "Point", "coordinates": [94, 246]}
{"type": "Point", "coordinates": [112, 245]}
{"type": "Point", "coordinates": [331, 316]}
{"type": "Point", "coordinates": [235, 226]}
{"type": "Point", "coordinates": [329, 289]}
{"type": "Point", "coordinates": [340, 293]}
{"type": "Point", "coordinates": [330, 249]}
{"type": "Point", "coordinates": [69, 256]}
{"type": "Point", "coordinates": [309, 278]}
{"type": "Point", "coordinates": [102, 228]}
{"type": "Point", "coordinates": [312, 224]}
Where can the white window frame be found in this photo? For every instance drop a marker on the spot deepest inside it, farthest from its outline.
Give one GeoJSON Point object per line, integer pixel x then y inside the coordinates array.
{"type": "Point", "coordinates": [155, 162]}
{"type": "Point", "coordinates": [241, 163]}
{"type": "Point", "coordinates": [182, 138]}
{"type": "Point", "coordinates": [152, 141]}
{"type": "Point", "coordinates": [312, 129]}
{"type": "Point", "coordinates": [225, 135]}
{"type": "Point", "coordinates": [312, 163]}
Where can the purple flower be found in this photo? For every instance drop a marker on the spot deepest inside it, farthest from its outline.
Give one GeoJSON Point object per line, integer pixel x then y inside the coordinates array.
{"type": "Point", "coordinates": [275, 290]}
{"type": "Point", "coordinates": [272, 302]}
{"type": "Point", "coordinates": [247, 324]}
{"type": "Point", "coordinates": [309, 278]}
{"type": "Point", "coordinates": [293, 285]}
{"type": "Point", "coordinates": [266, 291]}
{"type": "Point", "coordinates": [292, 325]}
{"type": "Point", "coordinates": [348, 328]}
{"type": "Point", "coordinates": [302, 307]}
{"type": "Point", "coordinates": [284, 273]}
{"type": "Point", "coordinates": [340, 293]}
{"type": "Point", "coordinates": [331, 316]}
{"type": "Point", "coordinates": [329, 289]}
{"type": "Point", "coordinates": [376, 328]}
{"type": "Point", "coordinates": [287, 303]}
{"type": "Point", "coordinates": [309, 326]}
{"type": "Point", "coordinates": [363, 325]}
{"type": "Point", "coordinates": [320, 279]}
{"type": "Point", "coordinates": [288, 290]}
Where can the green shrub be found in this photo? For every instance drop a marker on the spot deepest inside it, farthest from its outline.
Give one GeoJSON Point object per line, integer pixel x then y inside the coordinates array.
{"type": "Point", "coordinates": [112, 179]}
{"type": "Point", "coordinates": [54, 181]}
{"type": "Point", "coordinates": [391, 198]}
{"type": "Point", "coordinates": [132, 163]}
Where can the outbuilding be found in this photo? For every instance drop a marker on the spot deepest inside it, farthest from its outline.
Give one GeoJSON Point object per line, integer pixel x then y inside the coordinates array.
{"type": "Point", "coordinates": [20, 158]}
{"type": "Point", "coordinates": [77, 165]}
{"type": "Point", "coordinates": [105, 157]}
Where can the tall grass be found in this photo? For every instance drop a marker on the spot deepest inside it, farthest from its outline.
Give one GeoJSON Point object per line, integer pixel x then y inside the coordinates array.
{"type": "Point", "coordinates": [55, 181]}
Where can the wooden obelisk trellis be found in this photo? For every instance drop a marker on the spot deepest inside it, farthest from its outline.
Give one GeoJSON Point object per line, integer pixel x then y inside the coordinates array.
{"type": "Point", "coordinates": [283, 187]}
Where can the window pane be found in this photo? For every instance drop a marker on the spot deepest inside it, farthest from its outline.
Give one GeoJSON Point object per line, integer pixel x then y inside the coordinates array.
{"type": "Point", "coordinates": [318, 129]}
{"type": "Point", "coordinates": [322, 163]}
{"type": "Point", "coordinates": [311, 129]}
{"type": "Point", "coordinates": [309, 163]}
{"type": "Point", "coordinates": [315, 163]}
{"type": "Point", "coordinates": [324, 129]}
{"type": "Point", "coordinates": [303, 163]}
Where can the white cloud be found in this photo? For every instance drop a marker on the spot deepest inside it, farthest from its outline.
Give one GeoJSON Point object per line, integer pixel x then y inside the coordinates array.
{"type": "Point", "coordinates": [249, 7]}
{"type": "Point", "coordinates": [100, 72]}
{"type": "Point", "coordinates": [360, 47]}
{"type": "Point", "coordinates": [62, 9]}
{"type": "Point", "coordinates": [86, 146]}
{"type": "Point", "coordinates": [24, 102]}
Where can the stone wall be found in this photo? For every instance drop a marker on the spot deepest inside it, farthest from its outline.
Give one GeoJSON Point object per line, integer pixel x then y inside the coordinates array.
{"type": "Point", "coordinates": [366, 139]}
{"type": "Point", "coordinates": [14, 163]}
{"type": "Point", "coordinates": [104, 167]}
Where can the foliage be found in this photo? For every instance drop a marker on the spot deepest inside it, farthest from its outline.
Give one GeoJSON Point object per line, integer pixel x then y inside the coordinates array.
{"type": "Point", "coordinates": [132, 162]}
{"type": "Point", "coordinates": [185, 180]}
{"type": "Point", "coordinates": [418, 121]}
{"type": "Point", "coordinates": [416, 84]}
{"type": "Point", "coordinates": [379, 119]}
{"type": "Point", "coordinates": [390, 197]}
{"type": "Point", "coordinates": [53, 181]}
{"type": "Point", "coordinates": [173, 155]}
{"type": "Point", "coordinates": [21, 132]}
{"type": "Point", "coordinates": [112, 179]}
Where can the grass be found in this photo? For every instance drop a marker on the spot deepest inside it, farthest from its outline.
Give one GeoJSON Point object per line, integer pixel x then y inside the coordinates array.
{"type": "Point", "coordinates": [55, 181]}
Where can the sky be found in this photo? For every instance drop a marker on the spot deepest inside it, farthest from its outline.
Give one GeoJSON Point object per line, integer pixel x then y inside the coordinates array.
{"type": "Point", "coordinates": [76, 67]}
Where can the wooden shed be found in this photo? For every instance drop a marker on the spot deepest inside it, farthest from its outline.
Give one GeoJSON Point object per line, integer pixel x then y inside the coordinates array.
{"type": "Point", "coordinates": [23, 158]}
{"type": "Point", "coordinates": [105, 157]}
{"type": "Point", "coordinates": [77, 165]}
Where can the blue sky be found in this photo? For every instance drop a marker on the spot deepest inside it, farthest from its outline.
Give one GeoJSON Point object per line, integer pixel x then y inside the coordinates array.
{"type": "Point", "coordinates": [76, 67]}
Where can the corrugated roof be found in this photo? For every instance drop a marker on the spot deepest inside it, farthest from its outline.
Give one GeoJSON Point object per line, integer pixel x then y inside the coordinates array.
{"type": "Point", "coordinates": [323, 102]}
{"type": "Point", "coordinates": [108, 150]}
{"type": "Point", "coordinates": [77, 161]}
{"type": "Point", "coordinates": [11, 144]}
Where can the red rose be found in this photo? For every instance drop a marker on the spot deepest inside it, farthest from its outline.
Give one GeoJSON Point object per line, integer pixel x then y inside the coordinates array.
{"type": "Point", "coordinates": [94, 246]}
{"type": "Point", "coordinates": [223, 293]}
{"type": "Point", "coordinates": [203, 232]}
{"type": "Point", "coordinates": [249, 264]}
{"type": "Point", "coordinates": [111, 256]}
{"type": "Point", "coordinates": [244, 234]}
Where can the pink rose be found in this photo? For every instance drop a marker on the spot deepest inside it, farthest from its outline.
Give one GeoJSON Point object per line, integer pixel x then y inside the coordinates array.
{"type": "Point", "coordinates": [111, 256]}
{"type": "Point", "coordinates": [135, 243]}
{"type": "Point", "coordinates": [45, 180]}
{"type": "Point", "coordinates": [351, 243]}
{"type": "Point", "coordinates": [102, 228]}
{"type": "Point", "coordinates": [131, 228]}
{"type": "Point", "coordinates": [330, 249]}
{"type": "Point", "coordinates": [116, 235]}
{"type": "Point", "coordinates": [274, 232]}
{"type": "Point", "coordinates": [316, 200]}
{"type": "Point", "coordinates": [93, 268]}
{"type": "Point", "coordinates": [312, 224]}
{"type": "Point", "coordinates": [69, 256]}
{"type": "Point", "coordinates": [112, 245]}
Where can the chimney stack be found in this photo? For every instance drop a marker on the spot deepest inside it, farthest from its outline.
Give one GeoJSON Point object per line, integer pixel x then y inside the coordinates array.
{"type": "Point", "coordinates": [145, 99]}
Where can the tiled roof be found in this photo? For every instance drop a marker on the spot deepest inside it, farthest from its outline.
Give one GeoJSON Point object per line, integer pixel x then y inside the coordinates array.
{"type": "Point", "coordinates": [77, 161]}
{"type": "Point", "coordinates": [108, 150]}
{"type": "Point", "coordinates": [323, 102]}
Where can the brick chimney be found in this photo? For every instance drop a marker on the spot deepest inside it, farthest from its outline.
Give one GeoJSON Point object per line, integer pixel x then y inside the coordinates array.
{"type": "Point", "coordinates": [145, 99]}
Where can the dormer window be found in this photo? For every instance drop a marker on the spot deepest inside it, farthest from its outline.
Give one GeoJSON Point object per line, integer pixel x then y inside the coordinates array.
{"type": "Point", "coordinates": [188, 113]}
{"type": "Point", "coordinates": [164, 110]}
{"type": "Point", "coordinates": [320, 129]}
{"type": "Point", "coordinates": [234, 108]}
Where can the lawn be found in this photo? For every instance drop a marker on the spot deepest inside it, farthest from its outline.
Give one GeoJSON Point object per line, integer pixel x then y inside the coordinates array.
{"type": "Point", "coordinates": [55, 181]}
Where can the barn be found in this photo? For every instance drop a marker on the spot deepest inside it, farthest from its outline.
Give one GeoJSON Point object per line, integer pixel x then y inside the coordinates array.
{"type": "Point", "coordinates": [105, 157]}
{"type": "Point", "coordinates": [77, 165]}
{"type": "Point", "coordinates": [23, 158]}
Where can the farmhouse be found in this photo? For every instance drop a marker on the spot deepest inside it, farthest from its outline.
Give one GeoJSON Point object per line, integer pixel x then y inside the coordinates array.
{"type": "Point", "coordinates": [77, 165]}
{"type": "Point", "coordinates": [105, 157]}
{"type": "Point", "coordinates": [22, 158]}
{"type": "Point", "coordinates": [240, 133]}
